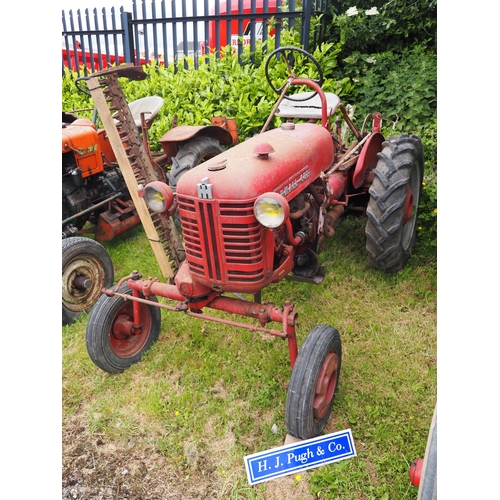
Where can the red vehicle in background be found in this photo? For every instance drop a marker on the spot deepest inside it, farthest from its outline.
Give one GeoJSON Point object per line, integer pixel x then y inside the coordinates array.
{"type": "Point", "coordinates": [218, 31]}
{"type": "Point", "coordinates": [242, 23]}
{"type": "Point", "coordinates": [77, 58]}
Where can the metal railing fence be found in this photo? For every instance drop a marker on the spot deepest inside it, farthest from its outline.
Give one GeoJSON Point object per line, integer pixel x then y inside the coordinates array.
{"type": "Point", "coordinates": [164, 31]}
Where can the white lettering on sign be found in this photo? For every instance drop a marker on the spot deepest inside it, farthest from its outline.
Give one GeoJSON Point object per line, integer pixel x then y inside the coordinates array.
{"type": "Point", "coordinates": [302, 458]}
{"type": "Point", "coordinates": [303, 455]}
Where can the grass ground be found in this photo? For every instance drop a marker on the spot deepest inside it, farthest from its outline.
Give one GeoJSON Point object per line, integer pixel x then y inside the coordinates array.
{"type": "Point", "coordinates": [178, 424]}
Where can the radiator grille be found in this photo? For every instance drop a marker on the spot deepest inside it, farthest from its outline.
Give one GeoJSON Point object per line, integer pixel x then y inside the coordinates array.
{"type": "Point", "coordinates": [223, 240]}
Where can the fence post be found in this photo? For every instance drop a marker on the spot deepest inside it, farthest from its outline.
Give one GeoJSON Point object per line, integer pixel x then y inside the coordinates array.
{"type": "Point", "coordinates": [128, 37]}
{"type": "Point", "coordinates": [306, 23]}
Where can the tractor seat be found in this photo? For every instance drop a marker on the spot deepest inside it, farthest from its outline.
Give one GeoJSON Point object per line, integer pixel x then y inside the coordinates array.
{"type": "Point", "coordinates": [309, 109]}
{"type": "Point", "coordinates": [149, 105]}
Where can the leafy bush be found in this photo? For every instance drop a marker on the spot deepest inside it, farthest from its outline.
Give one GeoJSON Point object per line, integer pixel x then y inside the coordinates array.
{"type": "Point", "coordinates": [72, 99]}
{"type": "Point", "coordinates": [219, 87]}
{"type": "Point", "coordinates": [377, 25]}
{"type": "Point", "coordinates": [386, 56]}
{"type": "Point", "coordinates": [402, 86]}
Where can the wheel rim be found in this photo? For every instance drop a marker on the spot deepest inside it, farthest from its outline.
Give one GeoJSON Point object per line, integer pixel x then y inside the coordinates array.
{"type": "Point", "coordinates": [124, 343]}
{"type": "Point", "coordinates": [83, 278]}
{"type": "Point", "coordinates": [325, 387]}
{"type": "Point", "coordinates": [410, 208]}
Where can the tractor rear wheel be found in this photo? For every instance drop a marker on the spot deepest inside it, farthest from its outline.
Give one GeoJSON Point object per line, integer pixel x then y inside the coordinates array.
{"type": "Point", "coordinates": [313, 383]}
{"type": "Point", "coordinates": [191, 154]}
{"type": "Point", "coordinates": [111, 344]}
{"type": "Point", "coordinates": [394, 198]}
{"type": "Point", "coordinates": [86, 270]}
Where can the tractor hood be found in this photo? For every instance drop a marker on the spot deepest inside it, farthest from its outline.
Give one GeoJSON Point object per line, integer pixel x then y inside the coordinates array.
{"type": "Point", "coordinates": [284, 160]}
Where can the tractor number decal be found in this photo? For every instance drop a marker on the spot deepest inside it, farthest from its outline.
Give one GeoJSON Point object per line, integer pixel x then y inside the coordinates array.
{"type": "Point", "coordinates": [91, 149]}
{"type": "Point", "coordinates": [295, 182]}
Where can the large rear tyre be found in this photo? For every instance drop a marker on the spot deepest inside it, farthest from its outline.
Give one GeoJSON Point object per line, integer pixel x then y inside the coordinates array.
{"type": "Point", "coordinates": [191, 154]}
{"type": "Point", "coordinates": [313, 383]}
{"type": "Point", "coordinates": [394, 198]}
{"type": "Point", "coordinates": [111, 343]}
{"type": "Point", "coordinates": [86, 270]}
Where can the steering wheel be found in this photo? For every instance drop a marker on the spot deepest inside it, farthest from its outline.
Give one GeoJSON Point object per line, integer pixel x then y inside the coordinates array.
{"type": "Point", "coordinates": [290, 59]}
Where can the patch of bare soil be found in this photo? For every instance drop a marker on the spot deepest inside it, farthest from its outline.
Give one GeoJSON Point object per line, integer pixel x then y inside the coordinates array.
{"type": "Point", "coordinates": [94, 468]}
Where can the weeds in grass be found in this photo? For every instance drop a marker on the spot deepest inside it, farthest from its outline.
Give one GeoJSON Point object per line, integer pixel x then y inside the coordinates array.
{"type": "Point", "coordinates": [207, 394]}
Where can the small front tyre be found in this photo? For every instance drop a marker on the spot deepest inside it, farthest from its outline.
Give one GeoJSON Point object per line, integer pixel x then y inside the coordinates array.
{"type": "Point", "coordinates": [111, 342]}
{"type": "Point", "coordinates": [313, 383]}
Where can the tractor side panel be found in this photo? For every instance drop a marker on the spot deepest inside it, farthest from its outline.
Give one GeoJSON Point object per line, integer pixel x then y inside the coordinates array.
{"type": "Point", "coordinates": [81, 138]}
{"type": "Point", "coordinates": [105, 146]}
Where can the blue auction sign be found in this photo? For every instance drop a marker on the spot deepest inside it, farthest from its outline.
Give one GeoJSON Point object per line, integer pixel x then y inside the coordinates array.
{"type": "Point", "coordinates": [299, 456]}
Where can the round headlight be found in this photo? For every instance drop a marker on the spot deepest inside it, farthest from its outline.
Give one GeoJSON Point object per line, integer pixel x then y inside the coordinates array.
{"type": "Point", "coordinates": [158, 196]}
{"type": "Point", "coordinates": [271, 209]}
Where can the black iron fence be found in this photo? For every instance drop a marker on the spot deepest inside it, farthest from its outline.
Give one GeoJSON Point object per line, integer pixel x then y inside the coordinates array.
{"type": "Point", "coordinates": [166, 31]}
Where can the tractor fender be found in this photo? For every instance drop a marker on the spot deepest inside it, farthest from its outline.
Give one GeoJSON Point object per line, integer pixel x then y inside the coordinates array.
{"type": "Point", "coordinates": [184, 132]}
{"type": "Point", "coordinates": [367, 160]}
{"type": "Point", "coordinates": [181, 133]}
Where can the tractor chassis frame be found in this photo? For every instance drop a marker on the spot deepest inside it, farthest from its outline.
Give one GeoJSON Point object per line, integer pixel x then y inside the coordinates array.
{"type": "Point", "coordinates": [263, 312]}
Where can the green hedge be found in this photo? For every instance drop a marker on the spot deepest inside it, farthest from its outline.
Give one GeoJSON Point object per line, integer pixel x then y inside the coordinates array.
{"type": "Point", "coordinates": [401, 86]}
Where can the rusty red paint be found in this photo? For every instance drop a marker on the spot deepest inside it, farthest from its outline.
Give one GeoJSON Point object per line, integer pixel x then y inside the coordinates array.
{"type": "Point", "coordinates": [119, 218]}
{"type": "Point", "coordinates": [125, 340]}
{"type": "Point", "coordinates": [416, 471]}
{"type": "Point", "coordinates": [325, 386]}
{"type": "Point", "coordinates": [367, 160]}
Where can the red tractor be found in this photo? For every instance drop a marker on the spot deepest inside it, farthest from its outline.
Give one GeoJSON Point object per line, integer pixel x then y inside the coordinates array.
{"type": "Point", "coordinates": [257, 214]}
{"type": "Point", "coordinates": [95, 197]}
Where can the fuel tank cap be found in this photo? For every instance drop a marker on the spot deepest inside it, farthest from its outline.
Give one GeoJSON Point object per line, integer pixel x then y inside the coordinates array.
{"type": "Point", "coordinates": [221, 165]}
{"type": "Point", "coordinates": [288, 125]}
{"type": "Point", "coordinates": [263, 150]}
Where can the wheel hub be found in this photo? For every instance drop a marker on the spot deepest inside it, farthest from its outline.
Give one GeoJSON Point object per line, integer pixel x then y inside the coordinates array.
{"type": "Point", "coordinates": [123, 327]}
{"type": "Point", "coordinates": [408, 208]}
{"type": "Point", "coordinates": [325, 387]}
{"type": "Point", "coordinates": [82, 281]}
{"type": "Point", "coordinates": [125, 338]}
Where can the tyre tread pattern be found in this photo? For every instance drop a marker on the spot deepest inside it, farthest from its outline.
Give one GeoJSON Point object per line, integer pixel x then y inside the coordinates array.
{"type": "Point", "coordinates": [384, 228]}
{"type": "Point", "coordinates": [189, 156]}
{"type": "Point", "coordinates": [99, 328]}
{"type": "Point", "coordinates": [299, 412]}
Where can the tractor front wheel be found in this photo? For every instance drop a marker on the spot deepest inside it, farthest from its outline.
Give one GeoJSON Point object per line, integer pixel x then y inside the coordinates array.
{"type": "Point", "coordinates": [313, 383]}
{"type": "Point", "coordinates": [113, 343]}
{"type": "Point", "coordinates": [394, 198]}
{"type": "Point", "coordinates": [86, 270]}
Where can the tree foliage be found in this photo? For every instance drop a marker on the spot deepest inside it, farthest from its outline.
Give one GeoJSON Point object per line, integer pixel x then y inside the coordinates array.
{"type": "Point", "coordinates": [381, 26]}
